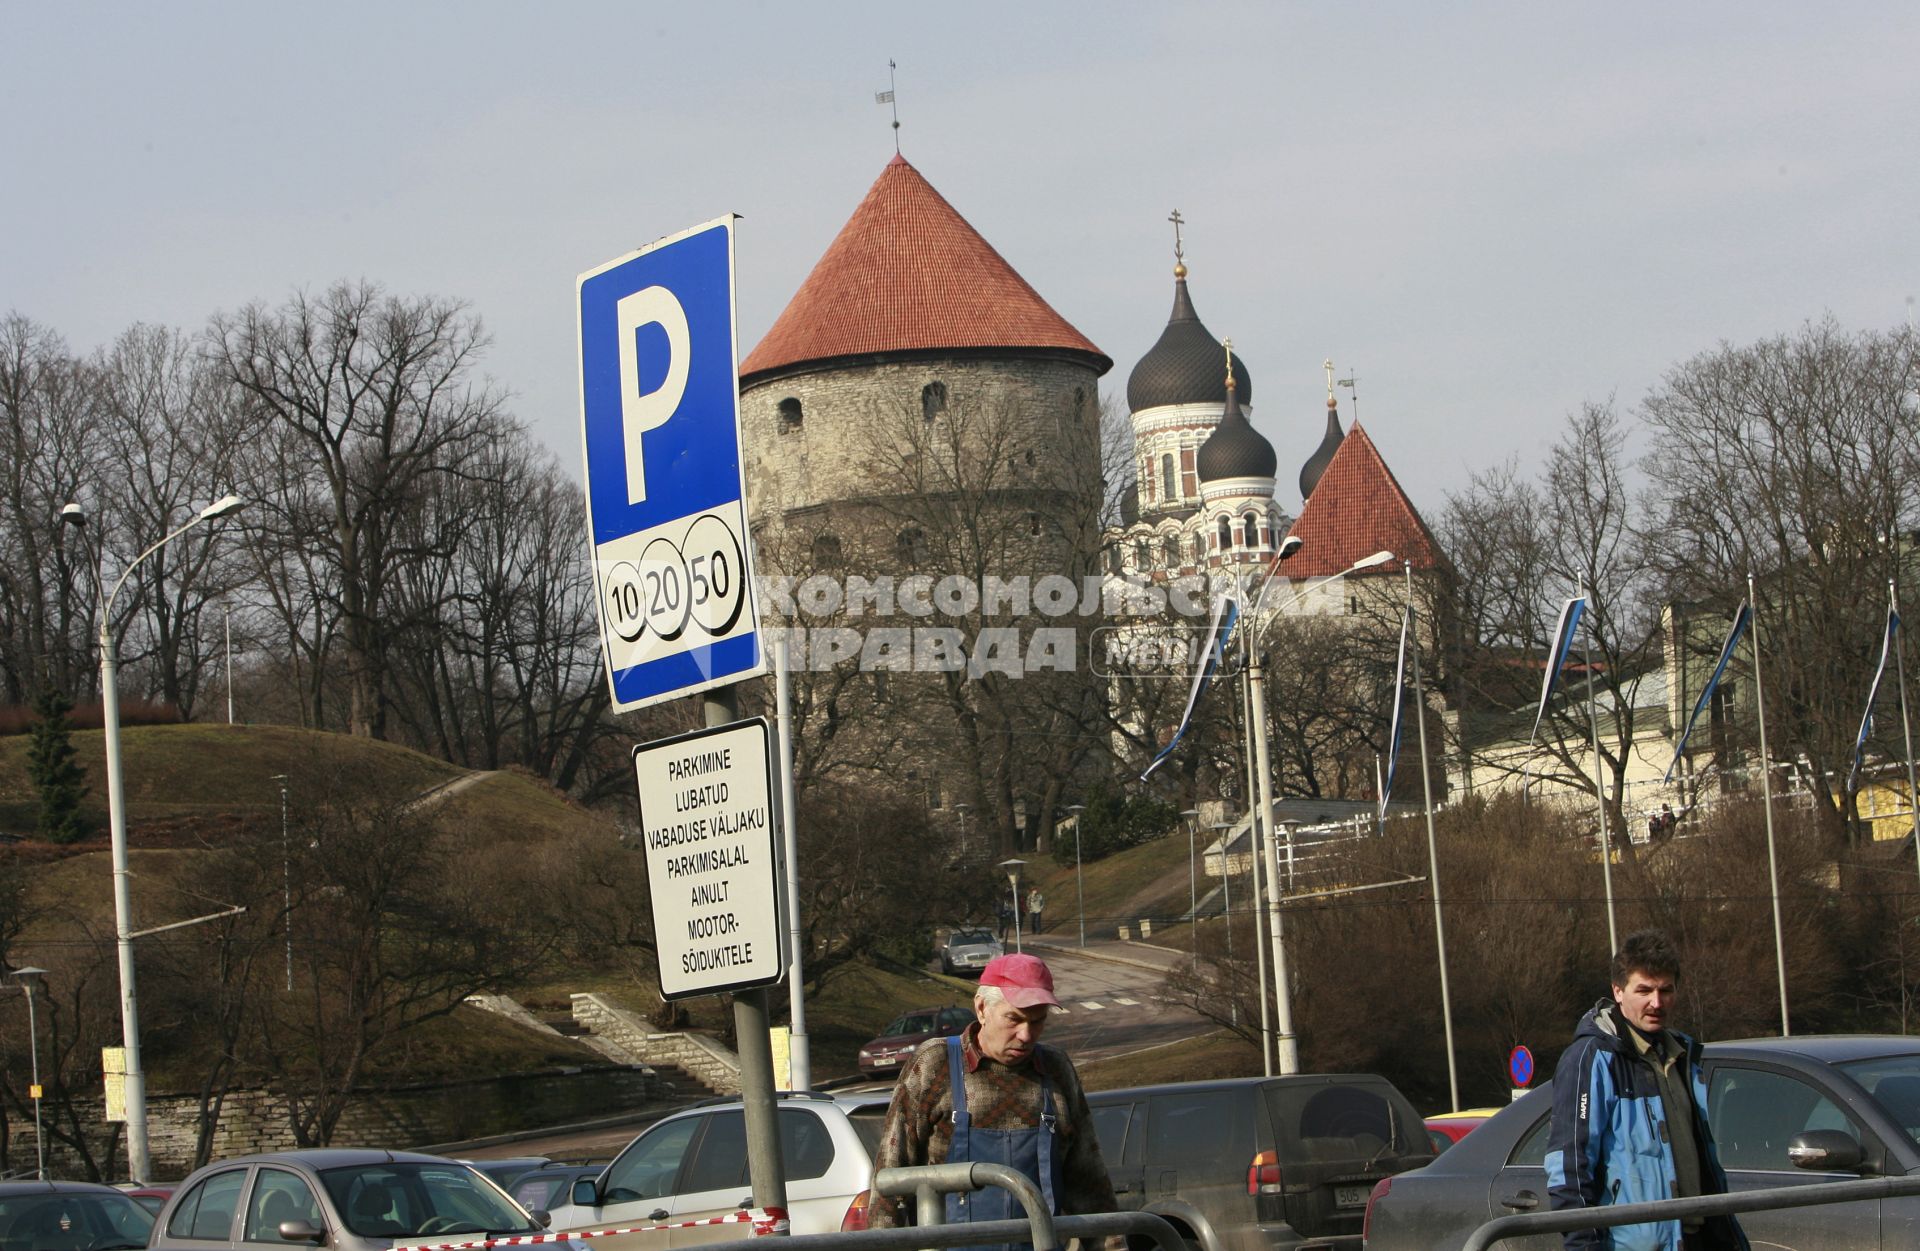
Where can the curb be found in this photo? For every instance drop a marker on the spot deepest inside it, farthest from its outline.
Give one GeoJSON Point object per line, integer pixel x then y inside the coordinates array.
{"type": "Point", "coordinates": [1091, 953]}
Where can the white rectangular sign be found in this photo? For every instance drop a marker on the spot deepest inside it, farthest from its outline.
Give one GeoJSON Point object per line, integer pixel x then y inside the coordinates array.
{"type": "Point", "coordinates": [713, 876]}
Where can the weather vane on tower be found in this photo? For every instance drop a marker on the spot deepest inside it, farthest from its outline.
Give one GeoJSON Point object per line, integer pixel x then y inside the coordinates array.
{"type": "Point", "coordinates": [886, 97]}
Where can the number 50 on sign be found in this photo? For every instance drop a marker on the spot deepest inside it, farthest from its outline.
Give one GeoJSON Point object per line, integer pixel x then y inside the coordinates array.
{"type": "Point", "coordinates": [666, 492]}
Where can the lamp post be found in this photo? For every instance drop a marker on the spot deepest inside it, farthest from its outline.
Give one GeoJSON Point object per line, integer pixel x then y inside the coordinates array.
{"type": "Point", "coordinates": [1288, 1045]}
{"type": "Point", "coordinates": [136, 1081]}
{"type": "Point", "coordinates": [1079, 887]}
{"type": "Point", "coordinates": [286, 876]}
{"type": "Point", "coordinates": [962, 808]}
{"type": "Point", "coordinates": [1013, 868]}
{"type": "Point", "coordinates": [1192, 816]}
{"type": "Point", "coordinates": [29, 978]}
{"type": "Point", "coordinates": [1226, 912]}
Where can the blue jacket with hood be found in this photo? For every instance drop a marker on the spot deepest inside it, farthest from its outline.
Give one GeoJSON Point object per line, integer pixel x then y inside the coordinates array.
{"type": "Point", "coordinates": [1608, 1143]}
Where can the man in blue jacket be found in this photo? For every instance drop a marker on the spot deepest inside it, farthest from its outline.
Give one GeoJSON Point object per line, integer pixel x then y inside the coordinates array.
{"type": "Point", "coordinates": [1629, 1113]}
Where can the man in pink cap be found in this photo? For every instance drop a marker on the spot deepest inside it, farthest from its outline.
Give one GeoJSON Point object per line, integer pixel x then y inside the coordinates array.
{"type": "Point", "coordinates": [995, 1094]}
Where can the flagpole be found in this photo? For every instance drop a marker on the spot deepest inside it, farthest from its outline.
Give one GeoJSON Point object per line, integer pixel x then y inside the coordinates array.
{"type": "Point", "coordinates": [1599, 774]}
{"type": "Point", "coordinates": [1906, 723]}
{"type": "Point", "coordinates": [1766, 794]}
{"type": "Point", "coordinates": [1433, 846]}
{"type": "Point", "coordinates": [1256, 768]}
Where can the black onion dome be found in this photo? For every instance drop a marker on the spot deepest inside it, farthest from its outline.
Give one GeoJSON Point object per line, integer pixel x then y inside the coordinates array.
{"type": "Point", "coordinates": [1234, 449]}
{"type": "Point", "coordinates": [1322, 456]}
{"type": "Point", "coordinates": [1183, 367]}
{"type": "Point", "coordinates": [1129, 503]}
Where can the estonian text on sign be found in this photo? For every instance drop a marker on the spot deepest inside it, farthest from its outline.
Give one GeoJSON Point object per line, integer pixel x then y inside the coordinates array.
{"type": "Point", "coordinates": [706, 816]}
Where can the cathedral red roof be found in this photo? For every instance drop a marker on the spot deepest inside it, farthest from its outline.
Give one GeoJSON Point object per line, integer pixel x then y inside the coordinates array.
{"type": "Point", "coordinates": [1356, 509]}
{"type": "Point", "coordinates": [906, 274]}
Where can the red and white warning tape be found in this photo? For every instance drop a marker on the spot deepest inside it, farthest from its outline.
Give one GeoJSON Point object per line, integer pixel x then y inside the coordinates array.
{"type": "Point", "coordinates": [764, 1222]}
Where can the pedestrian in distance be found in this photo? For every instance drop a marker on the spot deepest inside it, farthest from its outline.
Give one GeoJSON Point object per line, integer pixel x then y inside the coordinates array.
{"type": "Point", "coordinates": [1006, 920]}
{"type": "Point", "coordinates": [995, 1094]}
{"type": "Point", "coordinates": [1660, 824]}
{"type": "Point", "coordinates": [1036, 904]}
{"type": "Point", "coordinates": [1630, 1113]}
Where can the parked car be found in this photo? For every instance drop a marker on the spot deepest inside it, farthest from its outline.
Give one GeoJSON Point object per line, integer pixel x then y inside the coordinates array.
{"type": "Point", "coordinates": [152, 1198]}
{"type": "Point", "coordinates": [1784, 1111]}
{"type": "Point", "coordinates": [346, 1199]}
{"type": "Point", "coordinates": [549, 1185]}
{"type": "Point", "coordinates": [69, 1216]}
{"type": "Point", "coordinates": [1258, 1163]}
{"type": "Point", "coordinates": [967, 951]}
{"type": "Point", "coordinates": [905, 1033]}
{"type": "Point", "coordinates": [693, 1165]}
{"type": "Point", "coordinates": [1448, 1128]}
{"type": "Point", "coordinates": [505, 1170]}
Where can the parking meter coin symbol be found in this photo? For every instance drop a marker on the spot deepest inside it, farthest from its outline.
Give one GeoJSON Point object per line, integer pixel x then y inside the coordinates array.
{"type": "Point", "coordinates": [664, 593]}
{"type": "Point", "coordinates": [621, 590]}
{"type": "Point", "coordinates": [717, 590]}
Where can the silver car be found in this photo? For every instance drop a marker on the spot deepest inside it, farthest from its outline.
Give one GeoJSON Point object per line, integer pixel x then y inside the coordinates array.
{"type": "Point", "coordinates": [345, 1199]}
{"type": "Point", "coordinates": [1784, 1111]}
{"type": "Point", "coordinates": [967, 951]}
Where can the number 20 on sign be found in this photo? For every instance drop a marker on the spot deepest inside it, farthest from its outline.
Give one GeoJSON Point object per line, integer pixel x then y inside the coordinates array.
{"type": "Point", "coordinates": [666, 491]}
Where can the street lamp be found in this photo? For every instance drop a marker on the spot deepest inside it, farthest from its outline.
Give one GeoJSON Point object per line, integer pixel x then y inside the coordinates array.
{"type": "Point", "coordinates": [1013, 868]}
{"type": "Point", "coordinates": [29, 978]}
{"type": "Point", "coordinates": [1079, 888]}
{"type": "Point", "coordinates": [1289, 1052]}
{"type": "Point", "coordinates": [1192, 816]}
{"type": "Point", "coordinates": [136, 1081]}
{"type": "Point", "coordinates": [962, 808]}
{"type": "Point", "coordinates": [1226, 911]}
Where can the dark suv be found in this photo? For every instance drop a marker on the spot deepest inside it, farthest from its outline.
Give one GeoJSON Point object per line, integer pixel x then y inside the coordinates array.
{"type": "Point", "coordinates": [1258, 1163]}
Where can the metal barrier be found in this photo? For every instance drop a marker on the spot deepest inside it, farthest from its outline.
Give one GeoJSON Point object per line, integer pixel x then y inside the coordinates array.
{"type": "Point", "coordinates": [1813, 1195]}
{"type": "Point", "coordinates": [928, 1182]}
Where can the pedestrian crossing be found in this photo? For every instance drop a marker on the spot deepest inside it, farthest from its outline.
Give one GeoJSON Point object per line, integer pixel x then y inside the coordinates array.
{"type": "Point", "coordinates": [1094, 1005]}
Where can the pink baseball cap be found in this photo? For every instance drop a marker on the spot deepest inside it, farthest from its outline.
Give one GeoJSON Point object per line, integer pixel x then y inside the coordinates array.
{"type": "Point", "coordinates": [1025, 980]}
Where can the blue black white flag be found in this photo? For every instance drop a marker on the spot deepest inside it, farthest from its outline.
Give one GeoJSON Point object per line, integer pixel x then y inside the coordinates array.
{"type": "Point", "coordinates": [1887, 643]}
{"type": "Point", "coordinates": [1739, 627]}
{"type": "Point", "coordinates": [1399, 705]}
{"type": "Point", "coordinates": [1570, 614]}
{"type": "Point", "coordinates": [1226, 612]}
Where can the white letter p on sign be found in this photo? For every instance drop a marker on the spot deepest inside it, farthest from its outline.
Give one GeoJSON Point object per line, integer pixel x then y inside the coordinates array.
{"type": "Point", "coordinates": [639, 412]}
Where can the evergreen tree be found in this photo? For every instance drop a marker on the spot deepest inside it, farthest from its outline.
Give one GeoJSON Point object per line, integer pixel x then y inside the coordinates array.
{"type": "Point", "coordinates": [54, 769]}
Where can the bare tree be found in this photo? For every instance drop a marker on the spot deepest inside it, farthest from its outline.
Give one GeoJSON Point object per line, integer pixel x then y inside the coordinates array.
{"type": "Point", "coordinates": [380, 395]}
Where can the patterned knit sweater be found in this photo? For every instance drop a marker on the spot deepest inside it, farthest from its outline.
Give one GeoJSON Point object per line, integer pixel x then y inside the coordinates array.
{"type": "Point", "coordinates": [999, 1096]}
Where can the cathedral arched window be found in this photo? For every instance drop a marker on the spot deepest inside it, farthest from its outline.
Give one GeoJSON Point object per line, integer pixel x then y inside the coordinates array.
{"type": "Point", "coordinates": [1250, 530]}
{"type": "Point", "coordinates": [1200, 548]}
{"type": "Point", "coordinates": [826, 551]}
{"type": "Point", "coordinates": [790, 415]}
{"type": "Point", "coordinates": [1226, 532]}
{"type": "Point", "coordinates": [933, 400]}
{"type": "Point", "coordinates": [1142, 558]}
{"type": "Point", "coordinates": [1171, 546]}
{"type": "Point", "coordinates": [1167, 488]}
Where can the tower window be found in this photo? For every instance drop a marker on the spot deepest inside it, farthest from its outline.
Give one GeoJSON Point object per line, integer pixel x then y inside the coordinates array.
{"type": "Point", "coordinates": [1172, 548]}
{"type": "Point", "coordinates": [933, 400]}
{"type": "Point", "coordinates": [911, 547]}
{"type": "Point", "coordinates": [1226, 533]}
{"type": "Point", "coordinates": [826, 551]}
{"type": "Point", "coordinates": [1167, 487]}
{"type": "Point", "coordinates": [790, 415]}
{"type": "Point", "coordinates": [1079, 403]}
{"type": "Point", "coordinates": [1250, 530]}
{"type": "Point", "coordinates": [1200, 547]}
{"type": "Point", "coordinates": [1033, 523]}
{"type": "Point", "coordinates": [1141, 556]}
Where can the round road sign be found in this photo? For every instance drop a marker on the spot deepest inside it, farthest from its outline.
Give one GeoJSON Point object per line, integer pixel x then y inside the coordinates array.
{"type": "Point", "coordinates": [1520, 1066]}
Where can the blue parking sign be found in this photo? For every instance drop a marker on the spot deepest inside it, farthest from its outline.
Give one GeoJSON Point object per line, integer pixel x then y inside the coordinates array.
{"type": "Point", "coordinates": [666, 487]}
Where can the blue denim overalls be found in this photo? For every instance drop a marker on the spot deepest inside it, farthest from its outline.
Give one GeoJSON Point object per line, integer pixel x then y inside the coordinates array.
{"type": "Point", "coordinates": [1029, 1151]}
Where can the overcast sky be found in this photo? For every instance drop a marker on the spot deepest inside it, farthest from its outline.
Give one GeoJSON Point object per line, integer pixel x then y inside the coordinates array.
{"type": "Point", "coordinates": [1491, 212]}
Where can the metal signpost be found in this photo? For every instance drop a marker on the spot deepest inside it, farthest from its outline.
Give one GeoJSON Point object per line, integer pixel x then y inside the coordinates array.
{"type": "Point", "coordinates": [673, 569]}
{"type": "Point", "coordinates": [666, 490]}
{"type": "Point", "coordinates": [706, 817]}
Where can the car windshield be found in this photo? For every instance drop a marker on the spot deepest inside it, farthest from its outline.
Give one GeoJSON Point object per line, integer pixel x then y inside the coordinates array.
{"type": "Point", "coordinates": [968, 938]}
{"type": "Point", "coordinates": [95, 1221]}
{"type": "Point", "coordinates": [913, 1023]}
{"type": "Point", "coordinates": [400, 1199]}
{"type": "Point", "coordinates": [1894, 1082]}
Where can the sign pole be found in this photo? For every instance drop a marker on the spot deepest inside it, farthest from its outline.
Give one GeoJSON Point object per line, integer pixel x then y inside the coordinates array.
{"type": "Point", "coordinates": [799, 1056]}
{"type": "Point", "coordinates": [764, 1167]}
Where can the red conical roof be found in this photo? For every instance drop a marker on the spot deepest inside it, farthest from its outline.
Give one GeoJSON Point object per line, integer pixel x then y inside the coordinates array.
{"type": "Point", "coordinates": [908, 274]}
{"type": "Point", "coordinates": [1356, 509]}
